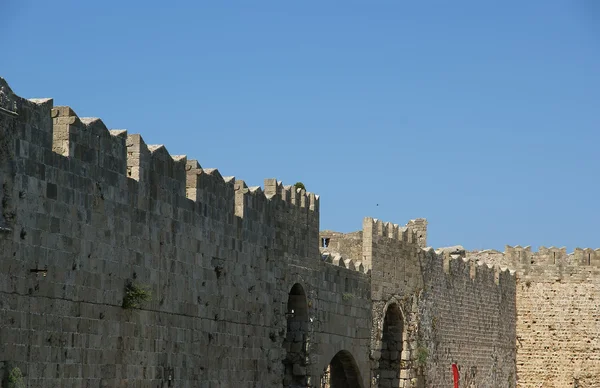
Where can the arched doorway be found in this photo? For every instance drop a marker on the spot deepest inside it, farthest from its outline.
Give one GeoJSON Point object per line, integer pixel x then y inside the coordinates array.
{"type": "Point", "coordinates": [391, 348]}
{"type": "Point", "coordinates": [342, 372]}
{"type": "Point", "coordinates": [295, 374]}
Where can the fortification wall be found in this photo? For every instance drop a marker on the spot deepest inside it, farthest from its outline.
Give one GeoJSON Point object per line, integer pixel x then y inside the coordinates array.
{"type": "Point", "coordinates": [393, 254]}
{"type": "Point", "coordinates": [85, 211]}
{"type": "Point", "coordinates": [348, 245]}
{"type": "Point", "coordinates": [467, 318]}
{"type": "Point", "coordinates": [557, 314]}
{"type": "Point", "coordinates": [431, 310]}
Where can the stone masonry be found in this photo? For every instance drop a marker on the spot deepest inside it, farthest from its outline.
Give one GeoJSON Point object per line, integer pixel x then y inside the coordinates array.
{"type": "Point", "coordinates": [244, 289]}
{"type": "Point", "coordinates": [558, 318]}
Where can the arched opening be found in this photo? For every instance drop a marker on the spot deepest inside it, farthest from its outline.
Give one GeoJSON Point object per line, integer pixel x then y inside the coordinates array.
{"type": "Point", "coordinates": [391, 348]}
{"type": "Point", "coordinates": [295, 362]}
{"type": "Point", "coordinates": [342, 372]}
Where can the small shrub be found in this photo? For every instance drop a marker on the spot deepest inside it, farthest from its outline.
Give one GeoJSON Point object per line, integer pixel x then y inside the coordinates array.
{"type": "Point", "coordinates": [135, 294]}
{"type": "Point", "coordinates": [422, 354]}
{"type": "Point", "coordinates": [347, 296]}
{"type": "Point", "coordinates": [300, 185]}
{"type": "Point", "coordinates": [15, 378]}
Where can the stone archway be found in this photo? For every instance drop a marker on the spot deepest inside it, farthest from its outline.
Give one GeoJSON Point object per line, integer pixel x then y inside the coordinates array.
{"type": "Point", "coordinates": [295, 362]}
{"type": "Point", "coordinates": [388, 372]}
{"type": "Point", "coordinates": [342, 372]}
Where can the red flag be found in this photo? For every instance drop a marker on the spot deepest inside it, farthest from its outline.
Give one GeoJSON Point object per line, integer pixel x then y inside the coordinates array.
{"type": "Point", "coordinates": [455, 373]}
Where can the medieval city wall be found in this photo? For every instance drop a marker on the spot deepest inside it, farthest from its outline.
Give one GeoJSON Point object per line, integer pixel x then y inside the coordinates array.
{"type": "Point", "coordinates": [558, 321]}
{"type": "Point", "coordinates": [432, 310]}
{"type": "Point", "coordinates": [243, 291]}
{"type": "Point", "coordinates": [468, 319]}
{"type": "Point", "coordinates": [237, 283]}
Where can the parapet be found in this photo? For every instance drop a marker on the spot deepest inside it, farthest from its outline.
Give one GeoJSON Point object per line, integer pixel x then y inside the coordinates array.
{"type": "Point", "coordinates": [251, 200]}
{"type": "Point", "coordinates": [457, 265]}
{"type": "Point", "coordinates": [34, 116]}
{"type": "Point", "coordinates": [291, 195]}
{"type": "Point", "coordinates": [523, 256]}
{"type": "Point", "coordinates": [87, 139]}
{"type": "Point", "coordinates": [523, 259]}
{"type": "Point", "coordinates": [414, 232]}
{"type": "Point", "coordinates": [338, 260]}
{"type": "Point", "coordinates": [125, 165]}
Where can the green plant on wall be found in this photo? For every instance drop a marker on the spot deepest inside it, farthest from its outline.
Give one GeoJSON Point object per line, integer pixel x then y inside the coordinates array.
{"type": "Point", "coordinates": [135, 295]}
{"type": "Point", "coordinates": [300, 185]}
{"type": "Point", "coordinates": [15, 378]}
{"type": "Point", "coordinates": [347, 296]}
{"type": "Point", "coordinates": [422, 354]}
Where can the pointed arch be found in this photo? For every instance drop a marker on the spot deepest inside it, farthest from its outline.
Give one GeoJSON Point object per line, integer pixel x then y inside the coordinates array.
{"type": "Point", "coordinates": [390, 345]}
{"type": "Point", "coordinates": [342, 372]}
{"type": "Point", "coordinates": [295, 362]}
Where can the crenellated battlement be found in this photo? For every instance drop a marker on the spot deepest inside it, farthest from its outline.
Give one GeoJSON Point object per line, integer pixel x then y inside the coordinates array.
{"type": "Point", "coordinates": [110, 156]}
{"type": "Point", "coordinates": [547, 264]}
{"type": "Point", "coordinates": [520, 257]}
{"type": "Point", "coordinates": [87, 211]}
{"type": "Point", "coordinates": [338, 260]}
{"type": "Point", "coordinates": [291, 195]}
{"type": "Point", "coordinates": [457, 264]}
{"type": "Point", "coordinates": [87, 139]}
{"type": "Point", "coordinates": [414, 232]}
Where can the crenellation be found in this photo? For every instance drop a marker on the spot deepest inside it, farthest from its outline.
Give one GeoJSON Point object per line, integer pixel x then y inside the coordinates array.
{"type": "Point", "coordinates": [91, 209]}
{"type": "Point", "coordinates": [455, 261]}
{"type": "Point", "coordinates": [313, 201]}
{"type": "Point", "coordinates": [294, 196]}
{"type": "Point", "coordinates": [87, 139]}
{"type": "Point", "coordinates": [388, 230]}
{"type": "Point", "coordinates": [138, 163]}
{"type": "Point", "coordinates": [336, 259]}
{"type": "Point", "coordinates": [378, 227]}
{"type": "Point", "coordinates": [473, 270]}
{"type": "Point", "coordinates": [65, 129]}
{"type": "Point", "coordinates": [406, 234]}
{"type": "Point", "coordinates": [524, 257]}
{"type": "Point", "coordinates": [303, 202]}
{"type": "Point", "coordinates": [349, 263]}
{"type": "Point", "coordinates": [272, 187]}
{"type": "Point", "coordinates": [286, 194]}
{"type": "Point", "coordinates": [419, 227]}
{"type": "Point", "coordinates": [586, 256]}
{"type": "Point", "coordinates": [506, 278]}
{"type": "Point", "coordinates": [256, 190]}
{"type": "Point", "coordinates": [193, 171]}
{"type": "Point", "coordinates": [167, 175]}
{"type": "Point", "coordinates": [240, 189]}
{"type": "Point", "coordinates": [216, 196]}
{"type": "Point", "coordinates": [38, 132]}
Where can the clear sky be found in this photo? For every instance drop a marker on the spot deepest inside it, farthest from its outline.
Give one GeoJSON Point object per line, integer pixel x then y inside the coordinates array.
{"type": "Point", "coordinates": [481, 116]}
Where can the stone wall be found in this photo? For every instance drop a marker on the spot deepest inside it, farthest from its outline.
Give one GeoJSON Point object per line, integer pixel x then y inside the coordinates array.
{"type": "Point", "coordinates": [396, 280]}
{"type": "Point", "coordinates": [242, 293]}
{"type": "Point", "coordinates": [431, 310]}
{"type": "Point", "coordinates": [468, 319]}
{"type": "Point", "coordinates": [558, 320]}
{"type": "Point", "coordinates": [88, 211]}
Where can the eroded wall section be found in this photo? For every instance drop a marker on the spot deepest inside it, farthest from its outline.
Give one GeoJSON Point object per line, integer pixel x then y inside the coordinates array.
{"type": "Point", "coordinates": [558, 322]}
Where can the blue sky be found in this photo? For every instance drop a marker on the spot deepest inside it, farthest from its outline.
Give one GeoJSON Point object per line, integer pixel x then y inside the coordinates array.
{"type": "Point", "coordinates": [481, 116]}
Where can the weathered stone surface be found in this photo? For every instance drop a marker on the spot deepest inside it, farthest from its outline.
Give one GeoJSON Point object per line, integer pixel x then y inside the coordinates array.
{"type": "Point", "coordinates": [241, 294]}
{"type": "Point", "coordinates": [558, 324]}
